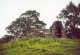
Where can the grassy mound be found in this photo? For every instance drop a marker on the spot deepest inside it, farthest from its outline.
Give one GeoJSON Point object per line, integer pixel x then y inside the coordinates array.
{"type": "Point", "coordinates": [43, 46]}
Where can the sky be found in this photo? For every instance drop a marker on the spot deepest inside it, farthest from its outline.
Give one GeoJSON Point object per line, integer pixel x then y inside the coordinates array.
{"type": "Point", "coordinates": [48, 9]}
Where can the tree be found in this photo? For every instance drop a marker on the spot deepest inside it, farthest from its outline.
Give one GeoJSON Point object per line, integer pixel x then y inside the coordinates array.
{"type": "Point", "coordinates": [25, 23]}
{"type": "Point", "coordinates": [71, 15]}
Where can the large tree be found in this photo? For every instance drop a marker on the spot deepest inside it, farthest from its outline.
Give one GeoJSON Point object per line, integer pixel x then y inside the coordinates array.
{"type": "Point", "coordinates": [25, 23]}
{"type": "Point", "coordinates": [71, 15]}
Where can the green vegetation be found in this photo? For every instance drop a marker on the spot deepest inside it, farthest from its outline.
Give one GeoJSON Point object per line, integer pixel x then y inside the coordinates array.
{"type": "Point", "coordinates": [43, 46]}
{"type": "Point", "coordinates": [28, 25]}
{"type": "Point", "coordinates": [27, 22]}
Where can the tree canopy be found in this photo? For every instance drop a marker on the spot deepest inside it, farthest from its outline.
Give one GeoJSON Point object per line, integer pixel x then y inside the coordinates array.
{"type": "Point", "coordinates": [71, 15]}
{"type": "Point", "coordinates": [25, 23]}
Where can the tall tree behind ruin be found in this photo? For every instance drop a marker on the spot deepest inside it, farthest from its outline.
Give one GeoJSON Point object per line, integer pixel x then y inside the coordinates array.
{"type": "Point", "coordinates": [71, 15]}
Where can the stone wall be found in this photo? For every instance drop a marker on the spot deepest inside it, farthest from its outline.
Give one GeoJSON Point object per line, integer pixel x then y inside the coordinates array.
{"type": "Point", "coordinates": [56, 29]}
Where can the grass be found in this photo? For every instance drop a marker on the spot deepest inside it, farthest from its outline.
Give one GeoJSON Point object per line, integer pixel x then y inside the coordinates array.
{"type": "Point", "coordinates": [43, 46]}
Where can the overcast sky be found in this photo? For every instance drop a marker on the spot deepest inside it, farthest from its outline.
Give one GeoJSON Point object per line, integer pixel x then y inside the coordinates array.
{"type": "Point", "coordinates": [48, 9]}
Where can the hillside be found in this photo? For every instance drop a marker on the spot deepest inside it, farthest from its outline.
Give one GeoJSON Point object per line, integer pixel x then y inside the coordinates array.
{"type": "Point", "coordinates": [43, 46]}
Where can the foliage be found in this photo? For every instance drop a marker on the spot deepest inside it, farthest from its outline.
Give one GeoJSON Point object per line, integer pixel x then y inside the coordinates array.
{"type": "Point", "coordinates": [71, 17]}
{"type": "Point", "coordinates": [6, 38]}
{"type": "Point", "coordinates": [42, 46]}
{"type": "Point", "coordinates": [25, 23]}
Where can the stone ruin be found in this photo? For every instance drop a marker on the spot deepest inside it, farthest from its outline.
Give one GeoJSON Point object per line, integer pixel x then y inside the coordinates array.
{"type": "Point", "coordinates": [57, 30]}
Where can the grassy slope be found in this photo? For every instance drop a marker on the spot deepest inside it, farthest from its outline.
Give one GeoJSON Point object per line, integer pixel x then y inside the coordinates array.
{"type": "Point", "coordinates": [43, 46]}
